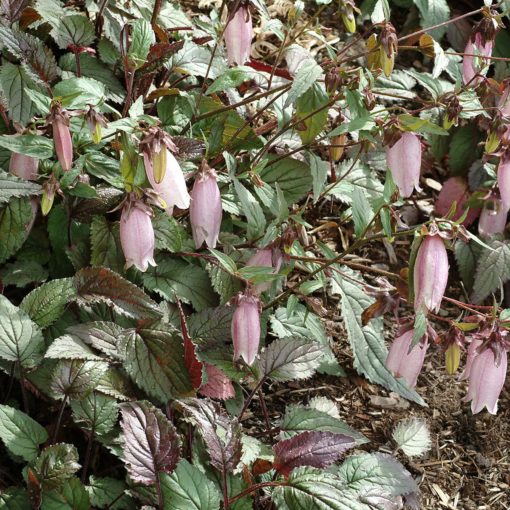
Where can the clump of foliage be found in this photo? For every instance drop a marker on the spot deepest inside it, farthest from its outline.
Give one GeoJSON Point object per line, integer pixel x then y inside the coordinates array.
{"type": "Point", "coordinates": [160, 271]}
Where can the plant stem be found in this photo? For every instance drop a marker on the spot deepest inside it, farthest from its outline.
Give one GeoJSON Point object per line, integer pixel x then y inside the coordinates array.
{"type": "Point", "coordinates": [78, 65]}
{"type": "Point", "coordinates": [249, 398]}
{"type": "Point", "coordinates": [265, 413]}
{"type": "Point", "coordinates": [254, 488]}
{"type": "Point", "coordinates": [59, 419]}
{"type": "Point", "coordinates": [87, 456]}
{"type": "Point", "coordinates": [155, 13]}
{"type": "Point", "coordinates": [160, 494]}
{"type": "Point", "coordinates": [226, 502]}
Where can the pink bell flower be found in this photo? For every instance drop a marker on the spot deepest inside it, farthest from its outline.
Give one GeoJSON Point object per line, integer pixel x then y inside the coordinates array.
{"type": "Point", "coordinates": [404, 161]}
{"type": "Point", "coordinates": [59, 121]}
{"type": "Point", "coordinates": [137, 235]}
{"type": "Point", "coordinates": [403, 363]}
{"type": "Point", "coordinates": [24, 167]}
{"type": "Point", "coordinates": [472, 353]}
{"type": "Point", "coordinates": [266, 257]}
{"type": "Point", "coordinates": [504, 100]}
{"type": "Point", "coordinates": [486, 380]}
{"type": "Point", "coordinates": [492, 219]}
{"type": "Point", "coordinates": [172, 188]}
{"type": "Point", "coordinates": [471, 66]}
{"type": "Point", "coordinates": [205, 209]}
{"type": "Point", "coordinates": [504, 181]}
{"type": "Point", "coordinates": [246, 327]}
{"type": "Point", "coordinates": [430, 273]}
{"type": "Point", "coordinates": [238, 35]}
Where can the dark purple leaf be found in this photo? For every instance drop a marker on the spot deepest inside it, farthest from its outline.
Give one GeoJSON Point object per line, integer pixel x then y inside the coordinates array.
{"type": "Point", "coordinates": [101, 285]}
{"type": "Point", "coordinates": [151, 444]}
{"type": "Point", "coordinates": [12, 9]}
{"type": "Point", "coordinates": [189, 148]}
{"type": "Point", "coordinates": [209, 417]}
{"type": "Point", "coordinates": [107, 198]}
{"type": "Point", "coordinates": [311, 448]}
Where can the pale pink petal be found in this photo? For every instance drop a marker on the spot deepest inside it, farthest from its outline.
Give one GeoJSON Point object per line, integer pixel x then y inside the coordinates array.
{"type": "Point", "coordinates": [473, 65]}
{"type": "Point", "coordinates": [504, 181]}
{"type": "Point", "coordinates": [63, 144]}
{"type": "Point", "coordinates": [24, 167]}
{"type": "Point", "coordinates": [238, 35]}
{"type": "Point", "coordinates": [404, 162]}
{"type": "Point", "coordinates": [492, 220]}
{"type": "Point", "coordinates": [246, 328]}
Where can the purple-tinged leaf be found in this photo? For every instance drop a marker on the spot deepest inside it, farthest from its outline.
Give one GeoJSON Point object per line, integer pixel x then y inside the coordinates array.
{"type": "Point", "coordinates": [11, 9]}
{"type": "Point", "coordinates": [316, 449]}
{"type": "Point", "coordinates": [101, 285]}
{"type": "Point", "coordinates": [151, 444]}
{"type": "Point", "coordinates": [222, 434]}
{"type": "Point", "coordinates": [381, 500]}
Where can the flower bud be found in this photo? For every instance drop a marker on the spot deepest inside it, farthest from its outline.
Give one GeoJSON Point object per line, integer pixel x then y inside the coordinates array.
{"type": "Point", "coordinates": [452, 358]}
{"type": "Point", "coordinates": [492, 219]}
{"type": "Point", "coordinates": [48, 196]}
{"type": "Point", "coordinates": [486, 379]}
{"type": "Point", "coordinates": [337, 148]}
{"type": "Point", "coordinates": [246, 327]}
{"type": "Point", "coordinates": [95, 122]}
{"type": "Point", "coordinates": [59, 120]}
{"type": "Point", "coordinates": [430, 273]}
{"type": "Point", "coordinates": [404, 363]}
{"type": "Point", "coordinates": [24, 167]}
{"type": "Point", "coordinates": [504, 181]}
{"type": "Point", "coordinates": [238, 35]}
{"type": "Point", "coordinates": [267, 257]}
{"type": "Point", "coordinates": [347, 8]}
{"type": "Point", "coordinates": [205, 208]}
{"type": "Point", "coordinates": [473, 65]}
{"type": "Point", "coordinates": [137, 234]}
{"type": "Point", "coordinates": [404, 162]}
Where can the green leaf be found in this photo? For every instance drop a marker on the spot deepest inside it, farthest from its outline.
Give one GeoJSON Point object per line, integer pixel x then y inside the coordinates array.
{"type": "Point", "coordinates": [290, 359]}
{"type": "Point", "coordinates": [96, 413]}
{"type": "Point", "coordinates": [298, 418]}
{"type": "Point", "coordinates": [109, 493]}
{"type": "Point", "coordinates": [189, 282]}
{"type": "Point", "coordinates": [492, 271]}
{"type": "Point", "coordinates": [312, 110]}
{"type": "Point", "coordinates": [362, 212]}
{"type": "Point", "coordinates": [35, 146]}
{"type": "Point", "coordinates": [463, 149]}
{"type": "Point", "coordinates": [21, 339]}
{"type": "Point", "coordinates": [142, 38]}
{"type": "Point", "coordinates": [14, 81]}
{"type": "Point", "coordinates": [314, 489]}
{"type": "Point", "coordinates": [417, 125]}
{"type": "Point", "coordinates": [381, 12]}
{"type": "Point", "coordinates": [23, 272]}
{"type": "Point", "coordinates": [319, 171]}
{"type": "Point", "coordinates": [55, 464]}
{"type": "Point", "coordinates": [433, 12]}
{"type": "Point", "coordinates": [225, 261]}
{"type": "Point", "coordinates": [14, 498]}
{"type": "Point", "coordinates": [367, 342]}
{"type": "Point", "coordinates": [75, 379]}
{"type": "Point", "coordinates": [70, 496]}
{"type": "Point", "coordinates": [466, 255]}
{"type": "Point", "coordinates": [47, 303]}
{"type": "Point", "coordinates": [70, 347]}
{"type": "Point", "coordinates": [187, 488]}
{"type": "Point", "coordinates": [293, 176]}
{"type": "Point", "coordinates": [14, 219]}
{"type": "Point", "coordinates": [169, 234]}
{"type": "Point", "coordinates": [413, 437]}
{"type": "Point", "coordinates": [101, 285]}
{"type": "Point", "coordinates": [155, 362]}
{"type": "Point", "coordinates": [309, 72]}
{"type": "Point", "coordinates": [105, 244]}
{"type": "Point", "coordinates": [14, 187]}
{"type": "Point", "coordinates": [77, 93]}
{"type": "Point", "coordinates": [102, 336]}
{"type": "Point", "coordinates": [231, 78]}
{"type": "Point", "coordinates": [252, 210]}
{"type": "Point", "coordinates": [75, 30]}
{"type": "Point", "coordinates": [379, 471]}
{"type": "Point", "coordinates": [21, 434]}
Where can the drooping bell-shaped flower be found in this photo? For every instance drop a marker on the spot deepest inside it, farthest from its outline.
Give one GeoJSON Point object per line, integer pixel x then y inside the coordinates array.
{"type": "Point", "coordinates": [266, 257]}
{"type": "Point", "coordinates": [246, 327]}
{"type": "Point", "coordinates": [472, 353]}
{"type": "Point", "coordinates": [504, 181]}
{"type": "Point", "coordinates": [474, 60]}
{"type": "Point", "coordinates": [137, 234]}
{"type": "Point", "coordinates": [504, 100]}
{"type": "Point", "coordinates": [486, 378]}
{"type": "Point", "coordinates": [492, 219]}
{"type": "Point", "coordinates": [24, 167]}
{"type": "Point", "coordinates": [404, 363]}
{"type": "Point", "coordinates": [430, 273]}
{"type": "Point", "coordinates": [59, 120]}
{"type": "Point", "coordinates": [404, 162]}
{"type": "Point", "coordinates": [238, 35]}
{"type": "Point", "coordinates": [205, 208]}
